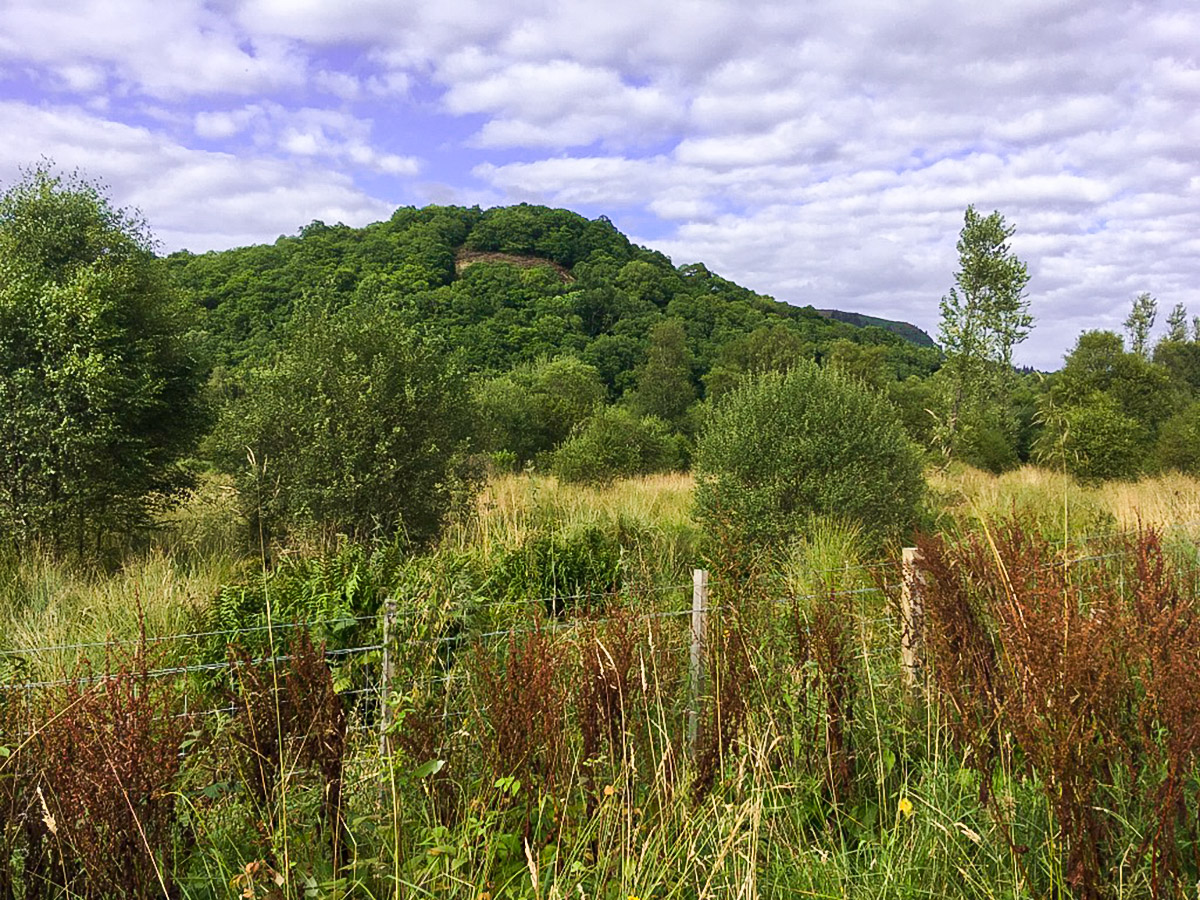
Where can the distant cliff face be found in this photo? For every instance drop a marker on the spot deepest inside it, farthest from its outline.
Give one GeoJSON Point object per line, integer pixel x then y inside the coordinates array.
{"type": "Point", "coordinates": [903, 329]}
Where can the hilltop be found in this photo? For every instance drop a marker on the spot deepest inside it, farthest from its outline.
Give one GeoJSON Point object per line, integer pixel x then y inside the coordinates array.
{"type": "Point", "coordinates": [510, 285]}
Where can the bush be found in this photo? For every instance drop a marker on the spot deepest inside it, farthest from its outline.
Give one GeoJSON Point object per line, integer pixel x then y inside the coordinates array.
{"type": "Point", "coordinates": [1179, 441]}
{"type": "Point", "coordinates": [779, 449]}
{"type": "Point", "coordinates": [357, 428]}
{"type": "Point", "coordinates": [99, 384]}
{"type": "Point", "coordinates": [1095, 440]}
{"type": "Point", "coordinates": [615, 443]}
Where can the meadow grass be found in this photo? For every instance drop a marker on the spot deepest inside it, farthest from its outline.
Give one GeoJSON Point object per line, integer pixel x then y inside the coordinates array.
{"type": "Point", "coordinates": [817, 771]}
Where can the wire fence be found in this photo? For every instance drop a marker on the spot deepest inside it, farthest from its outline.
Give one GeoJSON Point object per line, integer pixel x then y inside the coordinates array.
{"type": "Point", "coordinates": [418, 628]}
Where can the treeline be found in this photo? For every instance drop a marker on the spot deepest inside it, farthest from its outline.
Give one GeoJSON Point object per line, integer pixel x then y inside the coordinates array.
{"type": "Point", "coordinates": [360, 380]}
{"type": "Point", "coordinates": [579, 352]}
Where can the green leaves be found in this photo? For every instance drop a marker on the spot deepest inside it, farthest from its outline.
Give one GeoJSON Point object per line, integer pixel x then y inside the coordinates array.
{"type": "Point", "coordinates": [984, 316]}
{"type": "Point", "coordinates": [99, 386]}
{"type": "Point", "coordinates": [357, 428]}
{"type": "Point", "coordinates": [782, 448]}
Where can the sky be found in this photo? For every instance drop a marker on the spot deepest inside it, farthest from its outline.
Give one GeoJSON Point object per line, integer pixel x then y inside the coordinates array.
{"type": "Point", "coordinates": [820, 151]}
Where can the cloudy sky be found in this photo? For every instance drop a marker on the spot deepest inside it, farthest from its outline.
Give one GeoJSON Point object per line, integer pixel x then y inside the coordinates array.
{"type": "Point", "coordinates": [821, 151]}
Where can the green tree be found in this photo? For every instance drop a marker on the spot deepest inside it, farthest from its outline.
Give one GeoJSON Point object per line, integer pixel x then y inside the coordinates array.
{"type": "Point", "coordinates": [770, 348]}
{"type": "Point", "coordinates": [615, 443]}
{"type": "Point", "coordinates": [1139, 323]}
{"type": "Point", "coordinates": [1103, 410]}
{"type": "Point", "coordinates": [664, 381]}
{"type": "Point", "coordinates": [1177, 324]}
{"type": "Point", "coordinates": [357, 427]}
{"type": "Point", "coordinates": [863, 363]}
{"type": "Point", "coordinates": [99, 379]}
{"type": "Point", "coordinates": [533, 408]}
{"type": "Point", "coordinates": [984, 316]}
{"type": "Point", "coordinates": [784, 447]}
{"type": "Point", "coordinates": [1179, 441]}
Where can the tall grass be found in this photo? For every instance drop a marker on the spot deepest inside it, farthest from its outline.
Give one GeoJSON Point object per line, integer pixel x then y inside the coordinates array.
{"type": "Point", "coordinates": [554, 761]}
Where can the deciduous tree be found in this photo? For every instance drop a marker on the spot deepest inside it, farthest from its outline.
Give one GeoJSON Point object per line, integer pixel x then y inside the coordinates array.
{"type": "Point", "coordinates": [99, 383]}
{"type": "Point", "coordinates": [984, 316]}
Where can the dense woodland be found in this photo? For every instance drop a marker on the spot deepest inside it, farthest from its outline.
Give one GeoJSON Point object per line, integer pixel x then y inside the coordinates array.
{"type": "Point", "coordinates": [567, 334]}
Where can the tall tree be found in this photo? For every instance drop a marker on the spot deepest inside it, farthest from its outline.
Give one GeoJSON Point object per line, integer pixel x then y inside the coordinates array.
{"type": "Point", "coordinates": [99, 385]}
{"type": "Point", "coordinates": [1177, 323]}
{"type": "Point", "coordinates": [1139, 323]}
{"type": "Point", "coordinates": [984, 316]}
{"type": "Point", "coordinates": [664, 381]}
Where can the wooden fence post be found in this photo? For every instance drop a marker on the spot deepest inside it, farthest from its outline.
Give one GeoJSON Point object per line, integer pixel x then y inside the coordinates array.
{"type": "Point", "coordinates": [696, 658]}
{"type": "Point", "coordinates": [385, 677]}
{"type": "Point", "coordinates": [912, 617]}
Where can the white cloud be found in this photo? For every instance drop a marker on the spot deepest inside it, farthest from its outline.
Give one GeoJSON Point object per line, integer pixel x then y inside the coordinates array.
{"type": "Point", "coordinates": [306, 132]}
{"type": "Point", "coordinates": [171, 49]}
{"type": "Point", "coordinates": [822, 152]}
{"type": "Point", "coordinates": [194, 199]}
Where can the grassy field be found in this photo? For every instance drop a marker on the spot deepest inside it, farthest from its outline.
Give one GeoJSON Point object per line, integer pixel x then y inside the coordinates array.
{"type": "Point", "coordinates": [541, 742]}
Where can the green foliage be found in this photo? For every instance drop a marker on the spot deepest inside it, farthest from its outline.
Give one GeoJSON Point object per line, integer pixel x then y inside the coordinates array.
{"type": "Point", "coordinates": [1182, 363]}
{"type": "Point", "coordinates": [664, 381]}
{"type": "Point", "coordinates": [866, 364]}
{"type": "Point", "coordinates": [1103, 411]}
{"type": "Point", "coordinates": [357, 428]}
{"type": "Point", "coordinates": [533, 408]}
{"type": "Point", "coordinates": [570, 563]}
{"type": "Point", "coordinates": [773, 348]}
{"type": "Point", "coordinates": [617, 443]}
{"type": "Point", "coordinates": [986, 313]}
{"type": "Point", "coordinates": [1139, 322]}
{"type": "Point", "coordinates": [557, 234]}
{"type": "Point", "coordinates": [984, 316]}
{"type": "Point", "coordinates": [1179, 441]}
{"type": "Point", "coordinates": [1177, 324]}
{"type": "Point", "coordinates": [99, 380]}
{"type": "Point", "coordinates": [1095, 439]}
{"type": "Point", "coordinates": [783, 448]}
{"type": "Point", "coordinates": [569, 287]}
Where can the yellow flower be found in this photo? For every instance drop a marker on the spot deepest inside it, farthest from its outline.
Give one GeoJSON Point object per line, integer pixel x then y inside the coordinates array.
{"type": "Point", "coordinates": [609, 790]}
{"type": "Point", "coordinates": [905, 807]}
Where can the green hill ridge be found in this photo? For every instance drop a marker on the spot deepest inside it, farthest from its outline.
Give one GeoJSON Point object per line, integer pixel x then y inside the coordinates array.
{"type": "Point", "coordinates": [510, 285]}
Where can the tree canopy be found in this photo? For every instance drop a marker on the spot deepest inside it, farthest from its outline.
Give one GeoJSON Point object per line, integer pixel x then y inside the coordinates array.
{"type": "Point", "coordinates": [99, 375]}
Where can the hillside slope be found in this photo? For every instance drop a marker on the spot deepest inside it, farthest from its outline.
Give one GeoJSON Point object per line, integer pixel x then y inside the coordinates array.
{"type": "Point", "coordinates": [510, 285]}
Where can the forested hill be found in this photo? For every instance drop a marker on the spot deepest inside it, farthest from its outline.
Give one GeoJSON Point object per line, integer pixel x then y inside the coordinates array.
{"type": "Point", "coordinates": [512, 285]}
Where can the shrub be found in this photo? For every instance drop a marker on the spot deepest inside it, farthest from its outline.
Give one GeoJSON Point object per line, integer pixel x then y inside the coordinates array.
{"type": "Point", "coordinates": [356, 428]}
{"type": "Point", "coordinates": [1179, 441]}
{"type": "Point", "coordinates": [564, 567]}
{"type": "Point", "coordinates": [615, 443]}
{"type": "Point", "coordinates": [99, 386]}
{"type": "Point", "coordinates": [784, 447]}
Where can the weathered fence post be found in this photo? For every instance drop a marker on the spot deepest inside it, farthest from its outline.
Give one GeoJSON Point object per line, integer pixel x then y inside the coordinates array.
{"type": "Point", "coordinates": [912, 617]}
{"type": "Point", "coordinates": [696, 658]}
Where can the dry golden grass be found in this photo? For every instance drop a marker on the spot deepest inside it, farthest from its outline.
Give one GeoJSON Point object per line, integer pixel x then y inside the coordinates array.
{"type": "Point", "coordinates": [1165, 501]}
{"type": "Point", "coordinates": [1061, 506]}
{"type": "Point", "coordinates": [512, 506]}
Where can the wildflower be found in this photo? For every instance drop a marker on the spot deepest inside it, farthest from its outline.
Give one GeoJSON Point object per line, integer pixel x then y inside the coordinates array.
{"type": "Point", "coordinates": [905, 807]}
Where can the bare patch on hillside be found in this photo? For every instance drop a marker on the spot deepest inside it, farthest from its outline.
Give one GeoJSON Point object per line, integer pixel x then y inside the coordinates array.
{"type": "Point", "coordinates": [464, 257]}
